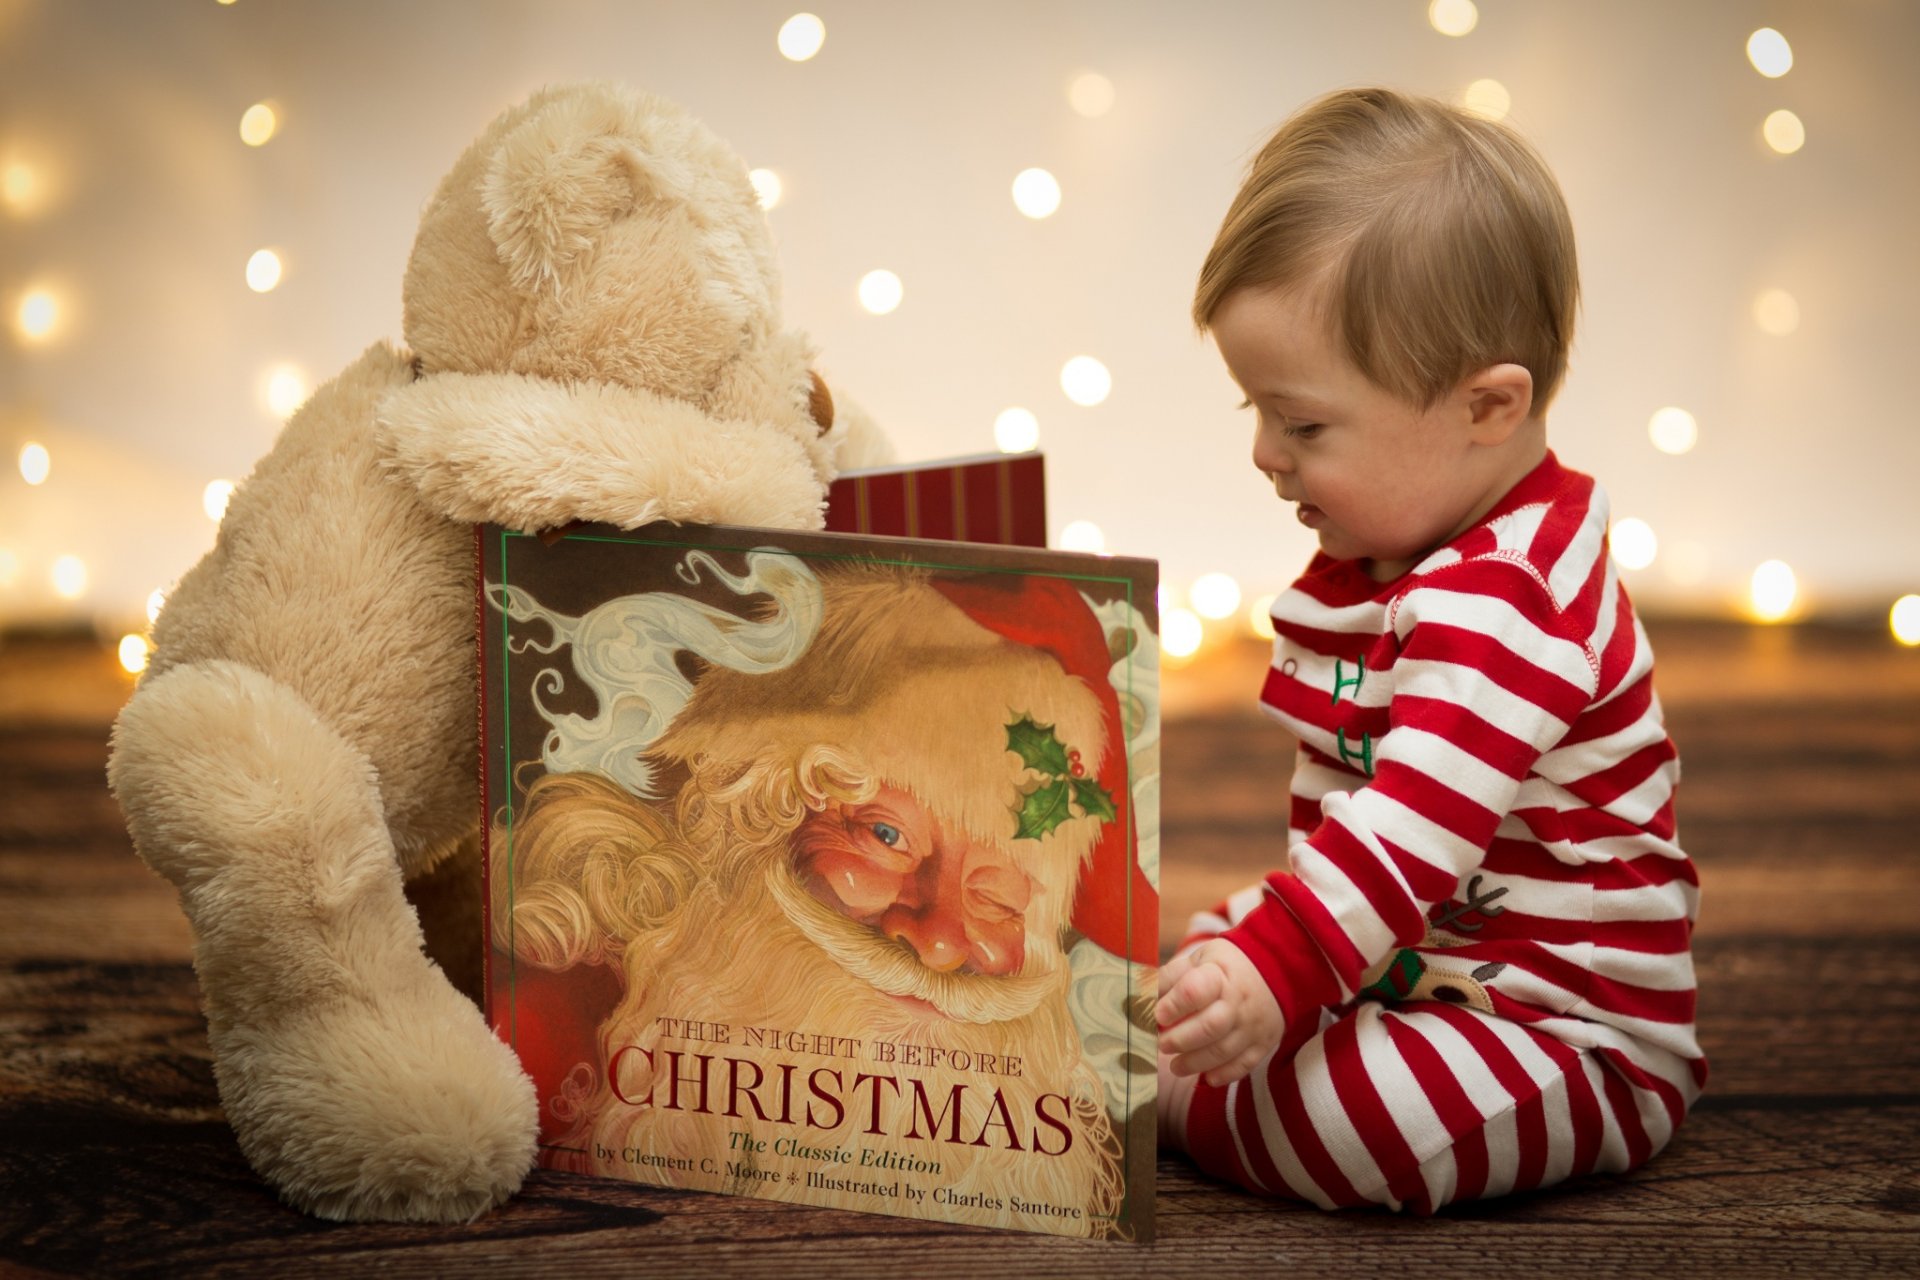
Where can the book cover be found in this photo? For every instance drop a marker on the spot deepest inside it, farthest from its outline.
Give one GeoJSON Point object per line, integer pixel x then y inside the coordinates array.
{"type": "Point", "coordinates": [823, 868]}
{"type": "Point", "coordinates": [995, 497]}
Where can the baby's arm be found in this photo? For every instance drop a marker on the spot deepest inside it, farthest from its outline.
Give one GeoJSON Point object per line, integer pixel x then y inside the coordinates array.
{"type": "Point", "coordinates": [1216, 1013]}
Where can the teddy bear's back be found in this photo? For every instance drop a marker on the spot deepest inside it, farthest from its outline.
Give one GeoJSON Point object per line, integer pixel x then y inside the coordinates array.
{"type": "Point", "coordinates": [335, 580]}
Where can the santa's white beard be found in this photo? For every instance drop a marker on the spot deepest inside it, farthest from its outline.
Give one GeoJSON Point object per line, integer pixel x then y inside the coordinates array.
{"type": "Point", "coordinates": [764, 971]}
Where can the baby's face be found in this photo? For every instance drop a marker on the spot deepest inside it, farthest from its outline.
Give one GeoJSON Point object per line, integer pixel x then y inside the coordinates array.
{"type": "Point", "coordinates": [1376, 478]}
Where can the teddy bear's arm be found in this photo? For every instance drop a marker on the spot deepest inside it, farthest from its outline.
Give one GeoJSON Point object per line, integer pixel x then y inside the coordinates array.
{"type": "Point", "coordinates": [532, 454]}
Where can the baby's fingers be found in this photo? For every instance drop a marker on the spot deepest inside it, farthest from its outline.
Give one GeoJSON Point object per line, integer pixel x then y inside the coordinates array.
{"type": "Point", "coordinates": [1190, 992]}
{"type": "Point", "coordinates": [1207, 1027]}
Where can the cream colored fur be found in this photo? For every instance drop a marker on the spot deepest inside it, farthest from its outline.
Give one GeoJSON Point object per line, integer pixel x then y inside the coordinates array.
{"type": "Point", "coordinates": [592, 317]}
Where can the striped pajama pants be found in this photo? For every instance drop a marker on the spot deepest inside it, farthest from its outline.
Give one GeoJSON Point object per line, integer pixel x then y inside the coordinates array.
{"type": "Point", "coordinates": [1417, 1106]}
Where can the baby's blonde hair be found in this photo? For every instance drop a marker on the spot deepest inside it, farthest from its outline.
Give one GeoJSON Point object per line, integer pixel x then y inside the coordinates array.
{"type": "Point", "coordinates": [1437, 242]}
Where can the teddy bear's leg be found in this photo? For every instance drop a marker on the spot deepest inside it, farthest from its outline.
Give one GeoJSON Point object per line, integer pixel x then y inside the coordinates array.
{"type": "Point", "coordinates": [357, 1080]}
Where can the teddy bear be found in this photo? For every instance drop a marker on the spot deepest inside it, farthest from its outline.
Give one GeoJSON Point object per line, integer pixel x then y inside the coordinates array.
{"type": "Point", "coordinates": [592, 332]}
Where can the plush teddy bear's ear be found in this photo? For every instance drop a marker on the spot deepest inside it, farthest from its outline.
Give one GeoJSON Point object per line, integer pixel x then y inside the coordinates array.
{"type": "Point", "coordinates": [558, 181]}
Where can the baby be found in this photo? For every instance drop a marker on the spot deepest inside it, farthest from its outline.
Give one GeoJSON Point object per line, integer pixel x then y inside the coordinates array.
{"type": "Point", "coordinates": [1474, 975]}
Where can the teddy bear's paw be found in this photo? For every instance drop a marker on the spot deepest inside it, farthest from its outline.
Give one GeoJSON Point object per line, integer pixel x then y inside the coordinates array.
{"type": "Point", "coordinates": [529, 453]}
{"type": "Point", "coordinates": [226, 773]}
{"type": "Point", "coordinates": [409, 1111]}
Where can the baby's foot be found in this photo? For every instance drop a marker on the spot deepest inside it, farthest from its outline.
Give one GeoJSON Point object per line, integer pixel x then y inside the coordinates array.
{"type": "Point", "coordinates": [1176, 1095]}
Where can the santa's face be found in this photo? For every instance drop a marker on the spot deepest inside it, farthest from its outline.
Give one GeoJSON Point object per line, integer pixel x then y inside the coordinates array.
{"type": "Point", "coordinates": [891, 864]}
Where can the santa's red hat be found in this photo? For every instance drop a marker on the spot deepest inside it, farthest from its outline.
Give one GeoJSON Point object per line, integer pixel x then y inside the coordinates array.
{"type": "Point", "coordinates": [1115, 904]}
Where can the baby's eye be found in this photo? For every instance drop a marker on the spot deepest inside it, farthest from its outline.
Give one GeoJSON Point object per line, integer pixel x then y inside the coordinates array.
{"type": "Point", "coordinates": [1305, 431]}
{"type": "Point", "coordinates": [888, 835]}
{"type": "Point", "coordinates": [1244, 404]}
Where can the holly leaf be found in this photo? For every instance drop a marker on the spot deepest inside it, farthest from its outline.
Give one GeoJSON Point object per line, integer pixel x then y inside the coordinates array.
{"type": "Point", "coordinates": [1094, 800]}
{"type": "Point", "coordinates": [1037, 746]}
{"type": "Point", "coordinates": [1042, 810]}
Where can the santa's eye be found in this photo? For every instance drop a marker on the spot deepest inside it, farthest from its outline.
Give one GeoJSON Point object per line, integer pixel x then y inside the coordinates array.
{"type": "Point", "coordinates": [887, 835]}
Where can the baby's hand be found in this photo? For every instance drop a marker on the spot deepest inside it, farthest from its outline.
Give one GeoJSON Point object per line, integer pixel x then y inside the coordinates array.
{"type": "Point", "coordinates": [1216, 1013]}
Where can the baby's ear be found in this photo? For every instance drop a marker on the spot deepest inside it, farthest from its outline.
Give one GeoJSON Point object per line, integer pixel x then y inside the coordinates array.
{"type": "Point", "coordinates": [560, 179]}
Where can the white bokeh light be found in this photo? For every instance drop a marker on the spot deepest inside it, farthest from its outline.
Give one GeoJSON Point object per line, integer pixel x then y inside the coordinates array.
{"type": "Point", "coordinates": [1784, 132]}
{"type": "Point", "coordinates": [801, 37]}
{"type": "Point", "coordinates": [285, 390]}
{"type": "Point", "coordinates": [1772, 591]}
{"type": "Point", "coordinates": [1083, 535]}
{"type": "Point", "coordinates": [1260, 616]}
{"type": "Point", "coordinates": [1086, 381]}
{"type": "Point", "coordinates": [38, 315]}
{"type": "Point", "coordinates": [1215, 595]}
{"type": "Point", "coordinates": [1488, 98]}
{"type": "Point", "coordinates": [69, 577]}
{"type": "Point", "coordinates": [258, 124]}
{"type": "Point", "coordinates": [36, 464]}
{"type": "Point", "coordinates": [1673, 430]}
{"type": "Point", "coordinates": [1769, 53]}
{"type": "Point", "coordinates": [1016, 430]}
{"type": "Point", "coordinates": [214, 498]}
{"type": "Point", "coordinates": [1036, 193]}
{"type": "Point", "coordinates": [133, 653]}
{"type": "Point", "coordinates": [1453, 17]}
{"type": "Point", "coordinates": [263, 271]}
{"type": "Point", "coordinates": [881, 292]}
{"type": "Point", "coordinates": [1904, 620]}
{"type": "Point", "coordinates": [155, 603]}
{"type": "Point", "coordinates": [1633, 543]}
{"type": "Point", "coordinates": [767, 187]}
{"type": "Point", "coordinates": [1090, 94]}
{"type": "Point", "coordinates": [1180, 633]}
{"type": "Point", "coordinates": [1776, 312]}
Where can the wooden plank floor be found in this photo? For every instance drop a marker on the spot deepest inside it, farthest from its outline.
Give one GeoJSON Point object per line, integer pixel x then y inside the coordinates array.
{"type": "Point", "coordinates": [1800, 803]}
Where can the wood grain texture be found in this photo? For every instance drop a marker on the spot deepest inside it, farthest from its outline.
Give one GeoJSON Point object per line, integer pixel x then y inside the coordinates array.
{"type": "Point", "coordinates": [1800, 803]}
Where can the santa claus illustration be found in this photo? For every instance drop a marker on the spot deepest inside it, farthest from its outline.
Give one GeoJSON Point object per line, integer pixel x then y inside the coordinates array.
{"type": "Point", "coordinates": [834, 889]}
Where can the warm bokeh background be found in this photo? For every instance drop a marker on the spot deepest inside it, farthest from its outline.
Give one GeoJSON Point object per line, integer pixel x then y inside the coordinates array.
{"type": "Point", "coordinates": [1769, 295]}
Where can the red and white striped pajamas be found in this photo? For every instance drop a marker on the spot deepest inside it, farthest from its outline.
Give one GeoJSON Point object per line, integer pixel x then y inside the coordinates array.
{"type": "Point", "coordinates": [1482, 943]}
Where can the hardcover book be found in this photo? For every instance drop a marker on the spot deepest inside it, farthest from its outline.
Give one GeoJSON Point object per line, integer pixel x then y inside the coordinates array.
{"type": "Point", "coordinates": [822, 867]}
{"type": "Point", "coordinates": [995, 497]}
